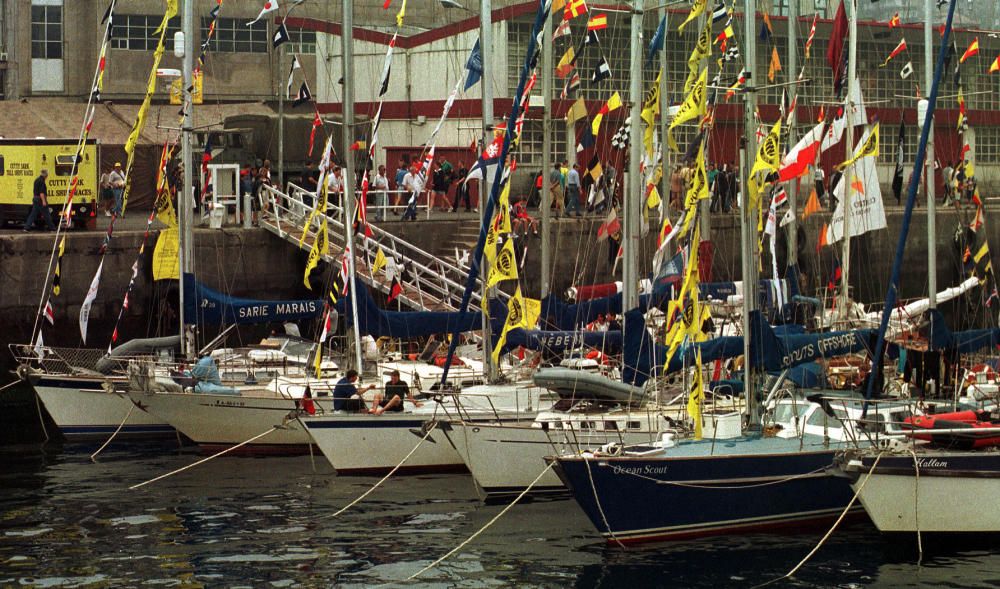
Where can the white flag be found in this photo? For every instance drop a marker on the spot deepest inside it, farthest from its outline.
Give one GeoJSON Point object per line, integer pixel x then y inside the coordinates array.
{"type": "Point", "coordinates": [867, 213]}
{"type": "Point", "coordinates": [88, 301]}
{"type": "Point", "coordinates": [39, 346]}
{"type": "Point", "coordinates": [269, 6]}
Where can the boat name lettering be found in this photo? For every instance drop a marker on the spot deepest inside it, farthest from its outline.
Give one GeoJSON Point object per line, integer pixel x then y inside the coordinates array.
{"type": "Point", "coordinates": [645, 469]}
{"type": "Point", "coordinates": [843, 340]}
{"type": "Point", "coordinates": [221, 403]}
{"type": "Point", "coordinates": [557, 341]}
{"type": "Point", "coordinates": [279, 308]}
{"type": "Point", "coordinates": [932, 463]}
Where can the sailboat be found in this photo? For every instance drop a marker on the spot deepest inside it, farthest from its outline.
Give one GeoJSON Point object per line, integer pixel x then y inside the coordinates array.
{"type": "Point", "coordinates": [765, 478]}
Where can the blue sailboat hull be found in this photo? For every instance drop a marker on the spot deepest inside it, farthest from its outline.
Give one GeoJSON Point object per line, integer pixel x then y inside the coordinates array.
{"type": "Point", "coordinates": [641, 499]}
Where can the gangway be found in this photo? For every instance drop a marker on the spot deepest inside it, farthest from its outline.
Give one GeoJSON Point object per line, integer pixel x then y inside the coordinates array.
{"type": "Point", "coordinates": [429, 283]}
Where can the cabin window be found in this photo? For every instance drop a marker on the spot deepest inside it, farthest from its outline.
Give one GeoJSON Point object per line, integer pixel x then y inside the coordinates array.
{"type": "Point", "coordinates": [818, 417]}
{"type": "Point", "coordinates": [137, 32]}
{"type": "Point", "coordinates": [635, 425]}
{"type": "Point", "coordinates": [588, 425]}
{"type": "Point", "coordinates": [611, 426]}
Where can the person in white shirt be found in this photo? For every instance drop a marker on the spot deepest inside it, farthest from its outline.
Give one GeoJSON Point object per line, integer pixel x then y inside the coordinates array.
{"type": "Point", "coordinates": [413, 184]}
{"type": "Point", "coordinates": [381, 185]}
{"type": "Point", "coordinates": [334, 186]}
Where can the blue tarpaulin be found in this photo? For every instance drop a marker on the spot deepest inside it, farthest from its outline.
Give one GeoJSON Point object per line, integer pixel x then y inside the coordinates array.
{"type": "Point", "coordinates": [210, 306]}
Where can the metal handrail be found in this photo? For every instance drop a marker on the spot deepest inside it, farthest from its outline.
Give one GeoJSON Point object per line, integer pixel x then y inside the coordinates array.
{"type": "Point", "coordinates": [429, 271]}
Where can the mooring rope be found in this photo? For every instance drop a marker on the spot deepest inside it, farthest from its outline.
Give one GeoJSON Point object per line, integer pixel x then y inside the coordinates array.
{"type": "Point", "coordinates": [484, 528]}
{"type": "Point", "coordinates": [386, 477]}
{"type": "Point", "coordinates": [829, 532]}
{"type": "Point", "coordinates": [273, 428]}
{"type": "Point", "coordinates": [597, 500]}
{"type": "Point", "coordinates": [118, 429]}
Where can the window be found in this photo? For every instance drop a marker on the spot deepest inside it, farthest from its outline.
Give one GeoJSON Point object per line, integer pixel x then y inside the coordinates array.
{"type": "Point", "coordinates": [64, 165]}
{"type": "Point", "coordinates": [232, 35]}
{"type": "Point", "coordinates": [137, 32]}
{"type": "Point", "coordinates": [301, 41]}
{"type": "Point", "coordinates": [46, 32]}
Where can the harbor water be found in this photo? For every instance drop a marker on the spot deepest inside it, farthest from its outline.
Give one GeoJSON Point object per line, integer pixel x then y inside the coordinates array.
{"type": "Point", "coordinates": [67, 521]}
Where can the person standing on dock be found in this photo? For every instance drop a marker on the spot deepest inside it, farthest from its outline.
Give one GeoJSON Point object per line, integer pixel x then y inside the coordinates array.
{"type": "Point", "coordinates": [381, 186]}
{"type": "Point", "coordinates": [573, 190]}
{"type": "Point", "coordinates": [40, 203]}
{"type": "Point", "coordinates": [462, 190]}
{"type": "Point", "coordinates": [117, 181]}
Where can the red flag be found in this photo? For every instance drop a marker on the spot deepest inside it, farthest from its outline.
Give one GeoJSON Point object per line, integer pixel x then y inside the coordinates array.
{"type": "Point", "coordinates": [597, 22]}
{"type": "Point", "coordinates": [395, 289]}
{"type": "Point", "coordinates": [894, 21]}
{"type": "Point", "coordinates": [973, 50]}
{"type": "Point", "coordinates": [995, 66]}
{"type": "Point", "coordinates": [899, 49]}
{"type": "Point", "coordinates": [835, 51]}
{"type": "Point", "coordinates": [317, 123]}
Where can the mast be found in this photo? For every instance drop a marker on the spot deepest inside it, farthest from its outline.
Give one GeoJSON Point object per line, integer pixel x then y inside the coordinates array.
{"type": "Point", "coordinates": [632, 199]}
{"type": "Point", "coordinates": [184, 212]}
{"type": "Point", "coordinates": [347, 54]}
{"type": "Point", "coordinates": [546, 195]}
{"type": "Point", "coordinates": [486, 48]}
{"type": "Point", "coordinates": [929, 183]}
{"type": "Point", "coordinates": [281, 117]}
{"type": "Point", "coordinates": [748, 225]}
{"type": "Point", "coordinates": [664, 123]}
{"type": "Point", "coordinates": [845, 177]}
{"type": "Point", "coordinates": [793, 189]}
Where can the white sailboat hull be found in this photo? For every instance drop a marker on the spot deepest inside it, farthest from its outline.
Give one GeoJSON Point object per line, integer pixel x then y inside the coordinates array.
{"type": "Point", "coordinates": [84, 411]}
{"type": "Point", "coordinates": [929, 504]}
{"type": "Point", "coordinates": [358, 444]}
{"type": "Point", "coordinates": [221, 421]}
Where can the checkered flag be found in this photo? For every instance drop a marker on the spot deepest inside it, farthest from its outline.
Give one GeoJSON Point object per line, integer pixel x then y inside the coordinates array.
{"type": "Point", "coordinates": [731, 54]}
{"type": "Point", "coordinates": [620, 140]}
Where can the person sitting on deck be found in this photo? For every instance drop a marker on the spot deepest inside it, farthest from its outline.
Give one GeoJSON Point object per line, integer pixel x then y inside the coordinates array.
{"type": "Point", "coordinates": [346, 396]}
{"type": "Point", "coordinates": [395, 391]}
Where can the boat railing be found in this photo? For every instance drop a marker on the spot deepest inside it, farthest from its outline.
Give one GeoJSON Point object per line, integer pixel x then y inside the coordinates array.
{"type": "Point", "coordinates": [431, 283]}
{"type": "Point", "coordinates": [54, 360]}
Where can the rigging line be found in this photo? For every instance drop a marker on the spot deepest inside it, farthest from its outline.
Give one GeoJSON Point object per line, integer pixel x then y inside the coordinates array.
{"type": "Point", "coordinates": [485, 527]}
{"type": "Point", "coordinates": [118, 429]}
{"type": "Point", "coordinates": [433, 425]}
{"type": "Point", "coordinates": [89, 111]}
{"type": "Point", "coordinates": [271, 429]}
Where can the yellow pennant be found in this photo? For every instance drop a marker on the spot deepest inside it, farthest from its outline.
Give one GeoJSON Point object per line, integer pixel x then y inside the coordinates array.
{"type": "Point", "coordinates": [380, 261]}
{"type": "Point", "coordinates": [868, 148]}
{"type": "Point", "coordinates": [696, 397]}
{"type": "Point", "coordinates": [401, 14]}
{"type": "Point", "coordinates": [702, 50]}
{"type": "Point", "coordinates": [769, 151]}
{"type": "Point", "coordinates": [521, 313]}
{"type": "Point", "coordinates": [693, 107]}
{"type": "Point", "coordinates": [319, 249]}
{"type": "Point", "coordinates": [696, 10]}
{"type": "Point", "coordinates": [505, 265]}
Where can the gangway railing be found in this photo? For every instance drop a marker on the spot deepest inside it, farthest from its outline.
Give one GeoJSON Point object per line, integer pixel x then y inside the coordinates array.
{"type": "Point", "coordinates": [430, 283]}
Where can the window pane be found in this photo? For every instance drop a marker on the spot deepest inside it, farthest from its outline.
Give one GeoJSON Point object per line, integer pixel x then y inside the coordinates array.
{"type": "Point", "coordinates": [37, 32]}
{"type": "Point", "coordinates": [38, 50]}
{"type": "Point", "coordinates": [54, 14]}
{"type": "Point", "coordinates": [37, 13]}
{"type": "Point", "coordinates": [54, 50]}
{"type": "Point", "coordinates": [53, 32]}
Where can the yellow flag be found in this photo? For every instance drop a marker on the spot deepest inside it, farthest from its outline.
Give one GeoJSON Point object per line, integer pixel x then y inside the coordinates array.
{"type": "Point", "coordinates": [177, 89]}
{"type": "Point", "coordinates": [319, 249]}
{"type": "Point", "coordinates": [692, 107]}
{"type": "Point", "coordinates": [490, 246]}
{"type": "Point", "coordinates": [696, 397]}
{"type": "Point", "coordinates": [702, 50]}
{"type": "Point", "coordinates": [521, 313]}
{"type": "Point", "coordinates": [615, 102]}
{"type": "Point", "coordinates": [696, 10]}
{"type": "Point", "coordinates": [650, 106]}
{"type": "Point", "coordinates": [505, 265]}
{"type": "Point", "coordinates": [576, 112]}
{"type": "Point", "coordinates": [653, 199]}
{"type": "Point", "coordinates": [868, 148]}
{"type": "Point", "coordinates": [502, 221]}
{"type": "Point", "coordinates": [401, 14]}
{"type": "Point", "coordinates": [169, 13]}
{"type": "Point", "coordinates": [379, 262]}
{"type": "Point", "coordinates": [566, 63]}
{"type": "Point", "coordinates": [558, 5]}
{"type": "Point", "coordinates": [166, 256]}
{"type": "Point", "coordinates": [697, 191]}
{"type": "Point", "coordinates": [769, 151]}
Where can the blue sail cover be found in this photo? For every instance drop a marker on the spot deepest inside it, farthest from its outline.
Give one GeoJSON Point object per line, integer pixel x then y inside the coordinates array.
{"type": "Point", "coordinates": [405, 324]}
{"type": "Point", "coordinates": [771, 349]}
{"type": "Point", "coordinates": [210, 306]}
{"type": "Point", "coordinates": [561, 341]}
{"type": "Point", "coordinates": [567, 317]}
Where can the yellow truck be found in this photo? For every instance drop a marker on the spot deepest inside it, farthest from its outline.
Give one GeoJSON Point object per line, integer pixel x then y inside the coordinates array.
{"type": "Point", "coordinates": [22, 160]}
